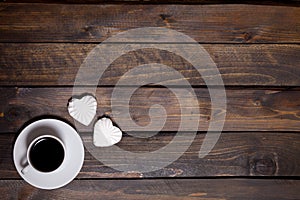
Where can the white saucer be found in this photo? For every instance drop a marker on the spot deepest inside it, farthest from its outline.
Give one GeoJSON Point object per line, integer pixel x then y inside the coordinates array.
{"type": "Point", "coordinates": [74, 155]}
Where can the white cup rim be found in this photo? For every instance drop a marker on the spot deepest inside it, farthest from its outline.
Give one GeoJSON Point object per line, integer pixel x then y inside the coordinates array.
{"type": "Point", "coordinates": [33, 142]}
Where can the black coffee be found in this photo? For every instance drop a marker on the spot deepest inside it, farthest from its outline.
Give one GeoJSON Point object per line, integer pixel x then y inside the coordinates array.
{"type": "Point", "coordinates": [46, 154]}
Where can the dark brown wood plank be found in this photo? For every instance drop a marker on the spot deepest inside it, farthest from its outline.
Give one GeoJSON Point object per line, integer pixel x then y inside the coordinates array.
{"type": "Point", "coordinates": [95, 23]}
{"type": "Point", "coordinates": [235, 154]}
{"type": "Point", "coordinates": [206, 189]}
{"type": "Point", "coordinates": [262, 2]}
{"type": "Point", "coordinates": [247, 109]}
{"type": "Point", "coordinates": [57, 64]}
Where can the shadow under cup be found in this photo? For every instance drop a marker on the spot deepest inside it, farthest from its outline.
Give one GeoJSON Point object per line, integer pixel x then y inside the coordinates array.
{"type": "Point", "coordinates": [46, 154]}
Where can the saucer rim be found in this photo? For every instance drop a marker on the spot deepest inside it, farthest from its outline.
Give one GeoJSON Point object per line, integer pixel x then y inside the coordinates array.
{"type": "Point", "coordinates": [71, 131]}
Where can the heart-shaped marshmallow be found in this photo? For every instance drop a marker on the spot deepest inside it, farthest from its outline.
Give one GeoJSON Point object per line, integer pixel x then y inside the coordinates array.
{"type": "Point", "coordinates": [105, 133]}
{"type": "Point", "coordinates": [83, 110]}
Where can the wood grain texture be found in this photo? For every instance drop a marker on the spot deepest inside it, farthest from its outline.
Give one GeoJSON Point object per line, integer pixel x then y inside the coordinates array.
{"type": "Point", "coordinates": [256, 2]}
{"type": "Point", "coordinates": [44, 42]}
{"type": "Point", "coordinates": [247, 109]}
{"type": "Point", "coordinates": [57, 64]}
{"type": "Point", "coordinates": [205, 189]}
{"type": "Point", "coordinates": [235, 154]}
{"type": "Point", "coordinates": [208, 24]}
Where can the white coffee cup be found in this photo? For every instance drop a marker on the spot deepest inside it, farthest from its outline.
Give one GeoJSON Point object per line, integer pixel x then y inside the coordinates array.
{"type": "Point", "coordinates": [68, 139]}
{"type": "Point", "coordinates": [57, 145]}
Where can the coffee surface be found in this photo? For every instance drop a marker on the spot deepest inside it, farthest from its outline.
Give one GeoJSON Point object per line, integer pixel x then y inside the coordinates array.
{"type": "Point", "coordinates": [46, 154]}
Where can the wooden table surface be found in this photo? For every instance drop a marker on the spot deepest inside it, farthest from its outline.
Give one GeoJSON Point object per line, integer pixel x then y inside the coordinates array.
{"type": "Point", "coordinates": [255, 45]}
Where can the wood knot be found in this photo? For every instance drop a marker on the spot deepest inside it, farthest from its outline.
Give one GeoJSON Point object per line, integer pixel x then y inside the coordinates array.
{"type": "Point", "coordinates": [257, 103]}
{"type": "Point", "coordinates": [172, 172]}
{"type": "Point", "coordinates": [247, 36]}
{"type": "Point", "coordinates": [265, 166]}
{"type": "Point", "coordinates": [87, 28]}
{"type": "Point", "coordinates": [208, 118]}
{"type": "Point", "coordinates": [167, 19]}
{"type": "Point", "coordinates": [164, 16]}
